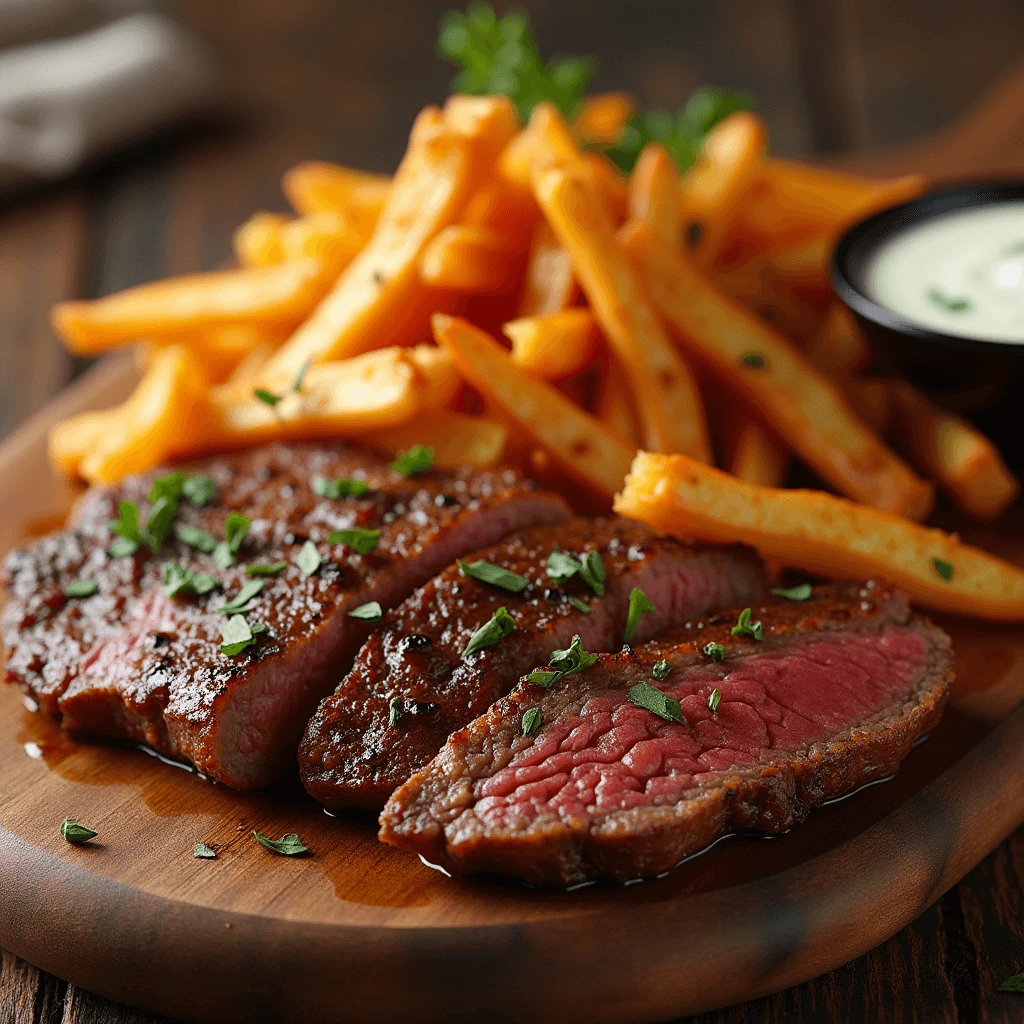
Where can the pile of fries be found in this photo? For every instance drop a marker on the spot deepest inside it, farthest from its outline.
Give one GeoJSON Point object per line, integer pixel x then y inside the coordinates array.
{"type": "Point", "coordinates": [510, 296]}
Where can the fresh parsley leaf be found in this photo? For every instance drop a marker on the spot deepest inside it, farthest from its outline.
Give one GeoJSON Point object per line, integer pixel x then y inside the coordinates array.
{"type": "Point", "coordinates": [661, 670]}
{"type": "Point", "coordinates": [639, 604]}
{"type": "Point", "coordinates": [129, 528]}
{"type": "Point", "coordinates": [947, 302]}
{"type": "Point", "coordinates": [488, 572]}
{"type": "Point", "coordinates": [370, 612]}
{"type": "Point", "coordinates": [237, 634]}
{"type": "Point", "coordinates": [267, 397]}
{"type": "Point", "coordinates": [592, 572]}
{"type": "Point", "coordinates": [573, 659]}
{"type": "Point", "coordinates": [160, 521]}
{"type": "Point", "coordinates": [532, 719]}
{"type": "Point", "coordinates": [361, 541]}
{"type": "Point", "coordinates": [394, 710]}
{"type": "Point", "coordinates": [196, 538]}
{"type": "Point", "coordinates": [802, 592]}
{"type": "Point", "coordinates": [81, 588]}
{"type": "Point", "coordinates": [714, 651]}
{"type": "Point", "coordinates": [169, 486]}
{"type": "Point", "coordinates": [650, 697]}
{"type": "Point", "coordinates": [236, 526]}
{"type": "Point", "coordinates": [308, 559]}
{"type": "Point", "coordinates": [1015, 983]}
{"type": "Point", "coordinates": [301, 375]}
{"type": "Point", "coordinates": [178, 579]}
{"type": "Point", "coordinates": [580, 606]}
{"type": "Point", "coordinates": [341, 487]}
{"type": "Point", "coordinates": [266, 570]}
{"type": "Point", "coordinates": [714, 699]}
{"type": "Point", "coordinates": [542, 677]}
{"type": "Point", "coordinates": [240, 604]}
{"type": "Point", "coordinates": [744, 627]}
{"type": "Point", "coordinates": [287, 846]}
{"type": "Point", "coordinates": [204, 852]}
{"type": "Point", "coordinates": [943, 568]}
{"type": "Point", "coordinates": [754, 360]}
{"type": "Point", "coordinates": [418, 459]}
{"type": "Point", "coordinates": [121, 547]}
{"type": "Point", "coordinates": [75, 832]}
{"type": "Point", "coordinates": [496, 628]}
{"type": "Point", "coordinates": [562, 567]}
{"type": "Point", "coordinates": [200, 490]}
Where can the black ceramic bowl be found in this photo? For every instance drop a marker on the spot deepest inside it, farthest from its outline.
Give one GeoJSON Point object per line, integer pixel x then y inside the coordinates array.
{"type": "Point", "coordinates": [984, 379]}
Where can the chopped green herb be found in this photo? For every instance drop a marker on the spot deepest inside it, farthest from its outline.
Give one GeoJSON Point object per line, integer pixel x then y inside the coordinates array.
{"type": "Point", "coordinates": [531, 721]}
{"type": "Point", "coordinates": [715, 651]}
{"type": "Point", "coordinates": [418, 459]}
{"type": "Point", "coordinates": [754, 360]}
{"type": "Point", "coordinates": [543, 678]}
{"type": "Point", "coordinates": [160, 521]}
{"type": "Point", "coordinates": [236, 526]}
{"type": "Point", "coordinates": [196, 538]}
{"type": "Point", "coordinates": [308, 559]}
{"type": "Point", "coordinates": [342, 487]}
{"type": "Point", "coordinates": [1015, 249]}
{"type": "Point", "coordinates": [371, 612]}
{"type": "Point", "coordinates": [121, 547]}
{"type": "Point", "coordinates": [287, 846]}
{"type": "Point", "coordinates": [81, 588]}
{"type": "Point", "coordinates": [1015, 983]}
{"type": "Point", "coordinates": [496, 628]}
{"type": "Point", "coordinates": [802, 592]}
{"type": "Point", "coordinates": [650, 697]}
{"type": "Point", "coordinates": [714, 699]}
{"type": "Point", "coordinates": [378, 279]}
{"type": "Point", "coordinates": [200, 490]}
{"type": "Point", "coordinates": [267, 397]}
{"type": "Point", "coordinates": [580, 606]}
{"type": "Point", "coordinates": [562, 567]}
{"type": "Point", "coordinates": [237, 634]}
{"type": "Point", "coordinates": [241, 604]}
{"type": "Point", "coordinates": [744, 627]}
{"type": "Point", "coordinates": [639, 604]}
{"type": "Point", "coordinates": [573, 659]}
{"type": "Point", "coordinates": [169, 486]}
{"type": "Point", "coordinates": [129, 528]}
{"type": "Point", "coordinates": [204, 852]}
{"type": "Point", "coordinates": [361, 541]}
{"type": "Point", "coordinates": [948, 302]}
{"type": "Point", "coordinates": [301, 375]}
{"type": "Point", "coordinates": [178, 579]}
{"type": "Point", "coordinates": [75, 832]}
{"type": "Point", "coordinates": [266, 570]}
{"type": "Point", "coordinates": [488, 572]}
{"type": "Point", "coordinates": [394, 710]}
{"type": "Point", "coordinates": [943, 568]}
{"type": "Point", "coordinates": [592, 572]}
{"type": "Point", "coordinates": [661, 670]}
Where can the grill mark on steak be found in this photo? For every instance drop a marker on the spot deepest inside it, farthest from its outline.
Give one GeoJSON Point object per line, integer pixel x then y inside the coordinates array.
{"type": "Point", "coordinates": [350, 756]}
{"type": "Point", "coordinates": [834, 697]}
{"type": "Point", "coordinates": [131, 663]}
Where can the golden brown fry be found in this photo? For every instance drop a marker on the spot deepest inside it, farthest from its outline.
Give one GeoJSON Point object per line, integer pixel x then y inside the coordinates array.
{"type": "Point", "coordinates": [440, 382]}
{"type": "Point", "coordinates": [467, 258]}
{"type": "Point", "coordinates": [870, 398]}
{"type": "Point", "coordinates": [257, 242]}
{"type": "Point", "coordinates": [821, 534]}
{"type": "Point", "coordinates": [758, 456]}
{"type": "Point", "coordinates": [955, 454]}
{"type": "Point", "coordinates": [584, 449]}
{"type": "Point", "coordinates": [245, 376]}
{"type": "Point", "coordinates": [550, 283]}
{"type": "Point", "coordinates": [609, 183]}
{"type": "Point", "coordinates": [511, 212]}
{"type": "Point", "coordinates": [266, 298]}
{"type": "Point", "coordinates": [603, 117]}
{"type": "Point", "coordinates": [379, 299]}
{"type": "Point", "coordinates": [614, 405]}
{"type": "Point", "coordinates": [666, 391]}
{"type": "Point", "coordinates": [713, 189]}
{"type": "Point", "coordinates": [316, 186]}
{"type": "Point", "coordinates": [807, 409]}
{"type": "Point", "coordinates": [839, 347]}
{"type": "Point", "coordinates": [458, 440]}
{"type": "Point", "coordinates": [556, 346]}
{"type": "Point", "coordinates": [654, 191]}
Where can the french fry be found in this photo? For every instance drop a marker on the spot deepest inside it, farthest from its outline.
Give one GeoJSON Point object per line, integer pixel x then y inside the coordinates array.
{"type": "Point", "coordinates": [758, 456]}
{"type": "Point", "coordinates": [326, 237]}
{"type": "Point", "coordinates": [870, 398]}
{"type": "Point", "coordinates": [467, 258]}
{"type": "Point", "coordinates": [714, 188]}
{"type": "Point", "coordinates": [614, 405]}
{"type": "Point", "coordinates": [263, 297]}
{"type": "Point", "coordinates": [217, 350]}
{"type": "Point", "coordinates": [821, 534]}
{"type": "Point", "coordinates": [666, 391]}
{"type": "Point", "coordinates": [603, 118]}
{"type": "Point", "coordinates": [458, 440]}
{"type": "Point", "coordinates": [839, 347]}
{"type": "Point", "coordinates": [808, 410]}
{"type": "Point", "coordinates": [245, 375]}
{"type": "Point", "coordinates": [550, 283]}
{"type": "Point", "coordinates": [316, 186]}
{"type": "Point", "coordinates": [440, 381]}
{"type": "Point", "coordinates": [257, 242]}
{"type": "Point", "coordinates": [958, 457]}
{"type": "Point", "coordinates": [555, 346]}
{"type": "Point", "coordinates": [609, 183]}
{"type": "Point", "coordinates": [379, 300]}
{"type": "Point", "coordinates": [654, 191]}
{"type": "Point", "coordinates": [778, 270]}
{"type": "Point", "coordinates": [579, 443]}
{"type": "Point", "coordinates": [511, 212]}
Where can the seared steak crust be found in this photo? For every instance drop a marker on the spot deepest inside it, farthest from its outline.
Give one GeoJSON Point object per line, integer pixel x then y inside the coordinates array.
{"type": "Point", "coordinates": [833, 697]}
{"type": "Point", "coordinates": [132, 663]}
{"type": "Point", "coordinates": [352, 756]}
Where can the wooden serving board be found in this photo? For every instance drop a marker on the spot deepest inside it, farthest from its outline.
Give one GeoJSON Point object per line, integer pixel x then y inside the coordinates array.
{"type": "Point", "coordinates": [362, 932]}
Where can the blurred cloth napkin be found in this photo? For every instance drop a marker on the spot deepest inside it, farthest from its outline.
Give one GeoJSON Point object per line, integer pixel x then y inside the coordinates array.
{"type": "Point", "coordinates": [65, 99]}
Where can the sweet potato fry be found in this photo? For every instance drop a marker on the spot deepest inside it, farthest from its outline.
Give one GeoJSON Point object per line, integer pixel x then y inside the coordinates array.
{"type": "Point", "coordinates": [666, 391]}
{"type": "Point", "coordinates": [458, 440]}
{"type": "Point", "coordinates": [602, 118]}
{"type": "Point", "coordinates": [316, 186]}
{"type": "Point", "coordinates": [467, 258]}
{"type": "Point", "coordinates": [579, 443]}
{"type": "Point", "coordinates": [555, 346]}
{"type": "Point", "coordinates": [380, 300]}
{"type": "Point", "coordinates": [257, 242]}
{"type": "Point", "coordinates": [654, 192]}
{"type": "Point", "coordinates": [839, 347]}
{"type": "Point", "coordinates": [819, 533]}
{"type": "Point", "coordinates": [262, 297]}
{"type": "Point", "coordinates": [550, 283]}
{"type": "Point", "coordinates": [965, 463]}
{"type": "Point", "coordinates": [807, 409]}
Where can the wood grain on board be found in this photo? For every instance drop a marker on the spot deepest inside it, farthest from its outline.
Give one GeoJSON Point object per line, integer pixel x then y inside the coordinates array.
{"type": "Point", "coordinates": [316, 78]}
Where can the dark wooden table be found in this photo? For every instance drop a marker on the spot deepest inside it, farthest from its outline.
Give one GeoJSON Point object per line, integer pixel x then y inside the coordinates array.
{"type": "Point", "coordinates": [343, 80]}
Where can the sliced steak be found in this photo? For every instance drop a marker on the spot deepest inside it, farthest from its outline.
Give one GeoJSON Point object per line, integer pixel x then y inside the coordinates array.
{"type": "Point", "coordinates": [833, 697]}
{"type": "Point", "coordinates": [131, 663]}
{"type": "Point", "coordinates": [351, 756]}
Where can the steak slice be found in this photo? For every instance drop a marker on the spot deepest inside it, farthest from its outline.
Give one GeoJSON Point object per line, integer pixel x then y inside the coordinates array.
{"type": "Point", "coordinates": [834, 697]}
{"type": "Point", "coordinates": [351, 756]}
{"type": "Point", "coordinates": [134, 664]}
